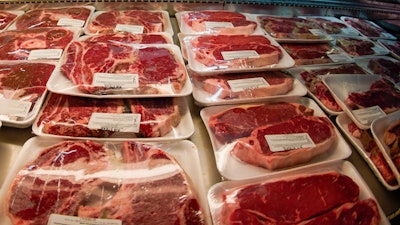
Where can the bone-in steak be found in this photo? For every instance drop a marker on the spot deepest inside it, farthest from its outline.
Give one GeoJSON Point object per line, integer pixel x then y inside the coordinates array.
{"type": "Point", "coordinates": [240, 121]}
{"type": "Point", "coordinates": [256, 150]}
{"type": "Point", "coordinates": [153, 66]}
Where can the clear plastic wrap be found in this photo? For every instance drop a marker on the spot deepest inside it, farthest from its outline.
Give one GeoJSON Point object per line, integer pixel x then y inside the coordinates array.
{"type": "Point", "coordinates": [359, 46]}
{"type": "Point", "coordinates": [292, 29]}
{"type": "Point", "coordinates": [310, 76]}
{"type": "Point", "coordinates": [386, 66]}
{"type": "Point", "coordinates": [130, 38]}
{"type": "Point", "coordinates": [134, 21]}
{"type": "Point", "coordinates": [392, 45]}
{"type": "Point", "coordinates": [367, 28]}
{"type": "Point", "coordinates": [36, 43]}
{"type": "Point", "coordinates": [140, 118]}
{"type": "Point", "coordinates": [211, 54]}
{"type": "Point", "coordinates": [22, 90]}
{"type": "Point", "coordinates": [8, 17]}
{"type": "Point", "coordinates": [229, 126]}
{"type": "Point", "coordinates": [129, 182]}
{"type": "Point", "coordinates": [112, 69]}
{"type": "Point", "coordinates": [316, 53]}
{"type": "Point", "coordinates": [67, 16]}
{"type": "Point", "coordinates": [275, 198]}
{"type": "Point", "coordinates": [216, 22]}
{"type": "Point", "coordinates": [333, 26]}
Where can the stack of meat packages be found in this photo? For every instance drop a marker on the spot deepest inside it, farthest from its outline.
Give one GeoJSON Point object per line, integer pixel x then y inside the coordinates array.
{"type": "Point", "coordinates": [104, 91]}
{"type": "Point", "coordinates": [269, 113]}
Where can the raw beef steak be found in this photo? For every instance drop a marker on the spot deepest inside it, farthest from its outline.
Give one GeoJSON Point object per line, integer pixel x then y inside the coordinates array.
{"type": "Point", "coordinates": [240, 121]}
{"type": "Point", "coordinates": [386, 68]}
{"type": "Point", "coordinates": [129, 38]}
{"type": "Point", "coordinates": [365, 27]}
{"type": "Point", "coordinates": [288, 27]}
{"type": "Point", "coordinates": [24, 81]}
{"type": "Point", "coordinates": [236, 23]}
{"type": "Point", "coordinates": [107, 21]}
{"type": "Point", "coordinates": [329, 26]}
{"type": "Point", "coordinates": [144, 180]}
{"type": "Point", "coordinates": [356, 46]}
{"type": "Point", "coordinates": [314, 84]}
{"type": "Point", "coordinates": [209, 50]}
{"type": "Point", "coordinates": [155, 67]}
{"type": "Point", "coordinates": [256, 150]}
{"type": "Point", "coordinates": [49, 17]}
{"type": "Point", "coordinates": [6, 18]}
{"type": "Point", "coordinates": [382, 93]}
{"type": "Point", "coordinates": [16, 44]}
{"type": "Point", "coordinates": [274, 83]}
{"type": "Point", "coordinates": [283, 201]}
{"type": "Point", "coordinates": [309, 54]}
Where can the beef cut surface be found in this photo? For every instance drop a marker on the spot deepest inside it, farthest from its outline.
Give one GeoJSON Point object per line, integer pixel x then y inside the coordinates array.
{"type": "Point", "coordinates": [129, 38]}
{"type": "Point", "coordinates": [49, 17]}
{"type": "Point", "coordinates": [106, 22]}
{"type": "Point", "coordinates": [6, 18]}
{"type": "Point", "coordinates": [145, 185]}
{"type": "Point", "coordinates": [256, 150]}
{"type": "Point", "coordinates": [17, 44]}
{"type": "Point", "coordinates": [209, 50]}
{"type": "Point", "coordinates": [153, 66]}
{"type": "Point", "coordinates": [288, 27]}
{"type": "Point", "coordinates": [237, 122]}
{"type": "Point", "coordinates": [304, 199]}
{"type": "Point", "coordinates": [197, 21]}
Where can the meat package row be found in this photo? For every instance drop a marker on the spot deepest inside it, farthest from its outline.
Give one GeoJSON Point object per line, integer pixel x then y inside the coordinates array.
{"type": "Point", "coordinates": [116, 99]}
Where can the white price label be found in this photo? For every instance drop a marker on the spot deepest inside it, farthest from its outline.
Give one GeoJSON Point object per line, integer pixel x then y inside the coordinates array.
{"type": "Point", "coordinates": [244, 54]}
{"type": "Point", "coordinates": [116, 81]}
{"type": "Point", "coordinates": [367, 115]}
{"type": "Point", "coordinates": [56, 219]}
{"type": "Point", "coordinates": [211, 25]}
{"type": "Point", "coordinates": [317, 32]}
{"type": "Point", "coordinates": [284, 142]}
{"type": "Point", "coordinates": [45, 54]}
{"type": "Point", "coordinates": [125, 122]}
{"type": "Point", "coordinates": [247, 84]}
{"type": "Point", "coordinates": [69, 22]}
{"type": "Point", "coordinates": [14, 107]}
{"type": "Point", "coordinates": [340, 57]}
{"type": "Point", "coordinates": [135, 29]}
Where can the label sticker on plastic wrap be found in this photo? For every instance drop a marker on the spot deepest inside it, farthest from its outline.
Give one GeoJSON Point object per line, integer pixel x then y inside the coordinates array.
{"type": "Point", "coordinates": [211, 25]}
{"type": "Point", "coordinates": [317, 32]}
{"type": "Point", "coordinates": [284, 142]}
{"type": "Point", "coordinates": [118, 122]}
{"type": "Point", "coordinates": [244, 54]}
{"type": "Point", "coordinates": [247, 84]}
{"type": "Point", "coordinates": [69, 22]}
{"type": "Point", "coordinates": [116, 81]}
{"type": "Point", "coordinates": [14, 107]}
{"type": "Point", "coordinates": [45, 54]}
{"type": "Point", "coordinates": [341, 57]}
{"type": "Point", "coordinates": [135, 29]}
{"type": "Point", "coordinates": [367, 115]}
{"type": "Point", "coordinates": [57, 219]}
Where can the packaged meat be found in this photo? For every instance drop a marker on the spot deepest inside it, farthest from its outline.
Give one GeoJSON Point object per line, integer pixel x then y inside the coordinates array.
{"type": "Point", "coordinates": [386, 132]}
{"type": "Point", "coordinates": [367, 28]}
{"type": "Point", "coordinates": [292, 29]}
{"type": "Point", "coordinates": [66, 16]}
{"type": "Point", "coordinates": [333, 26]}
{"type": "Point", "coordinates": [365, 144]}
{"type": "Point", "coordinates": [36, 43]}
{"type": "Point", "coordinates": [386, 66]}
{"type": "Point", "coordinates": [244, 87]}
{"type": "Point", "coordinates": [8, 17]}
{"type": "Point", "coordinates": [211, 54]}
{"type": "Point", "coordinates": [229, 126]}
{"type": "Point", "coordinates": [22, 91]}
{"type": "Point", "coordinates": [215, 22]}
{"type": "Point", "coordinates": [363, 97]}
{"type": "Point", "coordinates": [392, 45]}
{"type": "Point", "coordinates": [359, 46]}
{"type": "Point", "coordinates": [315, 54]}
{"type": "Point", "coordinates": [310, 76]}
{"type": "Point", "coordinates": [102, 180]}
{"type": "Point", "coordinates": [130, 38]}
{"type": "Point", "coordinates": [280, 199]}
{"type": "Point", "coordinates": [134, 119]}
{"type": "Point", "coordinates": [133, 21]}
{"type": "Point", "coordinates": [112, 68]}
